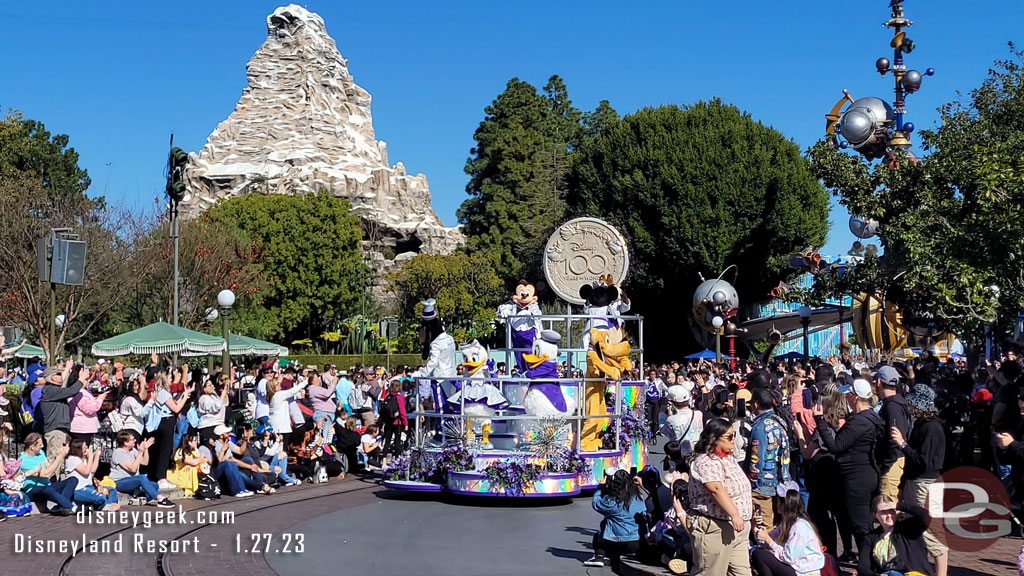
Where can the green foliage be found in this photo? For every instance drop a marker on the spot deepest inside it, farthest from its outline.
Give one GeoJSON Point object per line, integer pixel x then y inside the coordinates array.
{"type": "Point", "coordinates": [516, 173]}
{"type": "Point", "coordinates": [466, 287]}
{"type": "Point", "coordinates": [311, 267]}
{"type": "Point", "coordinates": [950, 224]}
{"type": "Point", "coordinates": [697, 189]}
{"type": "Point", "coordinates": [26, 147]}
{"type": "Point", "coordinates": [346, 361]}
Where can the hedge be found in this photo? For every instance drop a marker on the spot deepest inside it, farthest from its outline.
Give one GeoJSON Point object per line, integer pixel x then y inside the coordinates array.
{"type": "Point", "coordinates": [346, 361]}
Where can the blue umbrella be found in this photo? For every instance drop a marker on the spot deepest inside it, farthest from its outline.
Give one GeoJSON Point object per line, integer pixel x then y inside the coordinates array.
{"type": "Point", "coordinates": [705, 355]}
{"type": "Point", "coordinates": [793, 355]}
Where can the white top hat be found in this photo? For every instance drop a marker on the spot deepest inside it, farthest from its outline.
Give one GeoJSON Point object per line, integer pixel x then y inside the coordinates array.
{"type": "Point", "coordinates": [428, 309]}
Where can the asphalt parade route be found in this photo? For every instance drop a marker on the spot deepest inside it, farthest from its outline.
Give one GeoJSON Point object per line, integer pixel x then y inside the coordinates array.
{"type": "Point", "coordinates": [438, 537]}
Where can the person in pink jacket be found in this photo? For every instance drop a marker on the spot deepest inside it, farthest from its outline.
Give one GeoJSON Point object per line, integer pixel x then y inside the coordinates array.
{"type": "Point", "coordinates": [84, 407]}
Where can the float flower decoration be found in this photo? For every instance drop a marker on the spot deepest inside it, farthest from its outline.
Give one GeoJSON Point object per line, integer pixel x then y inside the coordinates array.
{"type": "Point", "coordinates": [512, 477]}
{"type": "Point", "coordinates": [633, 426]}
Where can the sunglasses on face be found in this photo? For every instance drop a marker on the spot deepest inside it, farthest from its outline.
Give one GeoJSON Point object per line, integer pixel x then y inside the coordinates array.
{"type": "Point", "coordinates": [727, 437]}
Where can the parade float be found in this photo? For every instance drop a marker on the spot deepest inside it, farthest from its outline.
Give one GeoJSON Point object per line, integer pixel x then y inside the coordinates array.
{"type": "Point", "coordinates": [542, 432]}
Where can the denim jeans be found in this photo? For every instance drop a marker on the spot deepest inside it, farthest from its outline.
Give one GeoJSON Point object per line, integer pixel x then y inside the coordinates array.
{"type": "Point", "coordinates": [236, 481]}
{"type": "Point", "coordinates": [94, 497]}
{"type": "Point", "coordinates": [60, 493]}
{"type": "Point", "coordinates": [132, 484]}
{"type": "Point", "coordinates": [180, 427]}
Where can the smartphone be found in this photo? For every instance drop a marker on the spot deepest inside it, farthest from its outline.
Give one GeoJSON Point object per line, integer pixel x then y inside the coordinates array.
{"type": "Point", "coordinates": [632, 472]}
{"type": "Point", "coordinates": [808, 397]}
{"type": "Point", "coordinates": [741, 408]}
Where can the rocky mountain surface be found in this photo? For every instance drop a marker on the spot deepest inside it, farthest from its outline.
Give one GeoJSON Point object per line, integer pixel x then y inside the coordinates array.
{"type": "Point", "coordinates": [303, 124]}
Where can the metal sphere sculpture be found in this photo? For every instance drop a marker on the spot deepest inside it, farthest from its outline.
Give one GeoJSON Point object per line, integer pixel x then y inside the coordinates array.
{"type": "Point", "coordinates": [863, 228]}
{"type": "Point", "coordinates": [714, 302]}
{"type": "Point", "coordinates": [869, 125]}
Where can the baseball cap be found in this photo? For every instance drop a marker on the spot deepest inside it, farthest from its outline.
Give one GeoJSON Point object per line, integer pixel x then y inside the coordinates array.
{"type": "Point", "coordinates": [263, 428]}
{"type": "Point", "coordinates": [222, 430]}
{"type": "Point", "coordinates": [860, 387]}
{"type": "Point", "coordinates": [50, 372]}
{"type": "Point", "coordinates": [888, 375]}
{"type": "Point", "coordinates": [680, 393]}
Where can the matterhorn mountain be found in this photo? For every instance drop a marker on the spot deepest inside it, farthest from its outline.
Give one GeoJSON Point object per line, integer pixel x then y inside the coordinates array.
{"type": "Point", "coordinates": [303, 124]}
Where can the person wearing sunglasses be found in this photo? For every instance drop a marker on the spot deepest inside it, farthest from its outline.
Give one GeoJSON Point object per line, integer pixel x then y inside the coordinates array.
{"type": "Point", "coordinates": [897, 544]}
{"type": "Point", "coordinates": [720, 504]}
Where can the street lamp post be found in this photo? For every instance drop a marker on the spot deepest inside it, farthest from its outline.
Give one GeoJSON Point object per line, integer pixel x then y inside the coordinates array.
{"type": "Point", "coordinates": [805, 321]}
{"type": "Point", "coordinates": [226, 299]}
{"type": "Point", "coordinates": [730, 332]}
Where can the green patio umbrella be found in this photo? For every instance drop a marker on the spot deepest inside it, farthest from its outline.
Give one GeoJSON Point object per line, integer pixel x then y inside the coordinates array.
{"type": "Point", "coordinates": [161, 338]}
{"type": "Point", "coordinates": [29, 351]}
{"type": "Point", "coordinates": [248, 346]}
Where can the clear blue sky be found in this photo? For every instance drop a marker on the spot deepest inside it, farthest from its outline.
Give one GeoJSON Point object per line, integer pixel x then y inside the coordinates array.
{"type": "Point", "coordinates": [118, 77]}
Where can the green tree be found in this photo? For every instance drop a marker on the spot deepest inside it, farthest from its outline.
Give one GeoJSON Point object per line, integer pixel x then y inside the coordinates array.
{"type": "Point", "coordinates": [466, 287]}
{"type": "Point", "coordinates": [602, 118]}
{"type": "Point", "coordinates": [697, 189]}
{"type": "Point", "coordinates": [309, 258]}
{"type": "Point", "coordinates": [214, 255]}
{"type": "Point", "coordinates": [26, 147]}
{"type": "Point", "coordinates": [516, 173]}
{"type": "Point", "coordinates": [950, 223]}
{"type": "Point", "coordinates": [42, 187]}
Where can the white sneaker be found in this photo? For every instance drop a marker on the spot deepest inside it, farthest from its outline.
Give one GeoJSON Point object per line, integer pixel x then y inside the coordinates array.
{"type": "Point", "coordinates": [243, 494]}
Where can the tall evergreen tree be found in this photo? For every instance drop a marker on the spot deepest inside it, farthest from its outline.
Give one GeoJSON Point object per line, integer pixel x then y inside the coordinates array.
{"type": "Point", "coordinates": [516, 173]}
{"type": "Point", "coordinates": [698, 189]}
{"type": "Point", "coordinates": [603, 117]}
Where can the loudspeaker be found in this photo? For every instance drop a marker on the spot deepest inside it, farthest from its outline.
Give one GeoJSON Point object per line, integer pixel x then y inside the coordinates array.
{"type": "Point", "coordinates": [68, 262]}
{"type": "Point", "coordinates": [12, 334]}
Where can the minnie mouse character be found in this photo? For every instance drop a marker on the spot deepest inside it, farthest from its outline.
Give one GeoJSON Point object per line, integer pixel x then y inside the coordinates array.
{"type": "Point", "coordinates": [522, 312]}
{"type": "Point", "coordinates": [604, 302]}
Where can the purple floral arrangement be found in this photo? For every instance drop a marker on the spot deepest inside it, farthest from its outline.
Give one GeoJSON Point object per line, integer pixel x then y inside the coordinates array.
{"type": "Point", "coordinates": [511, 476]}
{"type": "Point", "coordinates": [568, 461]}
{"type": "Point", "coordinates": [633, 426]}
{"type": "Point", "coordinates": [454, 457]}
{"type": "Point", "coordinates": [421, 466]}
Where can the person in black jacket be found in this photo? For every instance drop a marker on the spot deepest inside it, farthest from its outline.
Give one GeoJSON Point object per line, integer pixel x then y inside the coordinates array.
{"type": "Point", "coordinates": [894, 413]}
{"type": "Point", "coordinates": [925, 452]}
{"type": "Point", "coordinates": [897, 544]}
{"type": "Point", "coordinates": [854, 448]}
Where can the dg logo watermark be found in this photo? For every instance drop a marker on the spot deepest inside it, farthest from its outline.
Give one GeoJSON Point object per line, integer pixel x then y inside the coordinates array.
{"type": "Point", "coordinates": [969, 509]}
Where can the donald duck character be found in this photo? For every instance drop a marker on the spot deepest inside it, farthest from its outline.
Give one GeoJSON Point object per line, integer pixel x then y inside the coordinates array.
{"type": "Point", "coordinates": [545, 398]}
{"type": "Point", "coordinates": [607, 359]}
{"type": "Point", "coordinates": [523, 313]}
{"type": "Point", "coordinates": [477, 397]}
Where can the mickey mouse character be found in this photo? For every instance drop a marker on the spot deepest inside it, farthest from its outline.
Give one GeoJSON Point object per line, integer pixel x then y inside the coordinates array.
{"type": "Point", "coordinates": [522, 312]}
{"type": "Point", "coordinates": [604, 302]}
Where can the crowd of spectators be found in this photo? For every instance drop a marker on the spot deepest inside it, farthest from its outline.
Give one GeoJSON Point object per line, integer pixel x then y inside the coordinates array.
{"type": "Point", "coordinates": [106, 435]}
{"type": "Point", "coordinates": [794, 468]}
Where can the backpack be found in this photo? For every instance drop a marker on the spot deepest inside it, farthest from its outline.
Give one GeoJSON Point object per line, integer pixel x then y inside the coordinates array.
{"type": "Point", "coordinates": [116, 421]}
{"type": "Point", "coordinates": [389, 410]}
{"type": "Point", "coordinates": [208, 488]}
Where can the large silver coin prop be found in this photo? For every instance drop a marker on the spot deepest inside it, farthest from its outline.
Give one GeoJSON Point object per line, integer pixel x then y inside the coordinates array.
{"type": "Point", "coordinates": [581, 251]}
{"type": "Point", "coordinates": [713, 302]}
{"type": "Point", "coordinates": [863, 228]}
